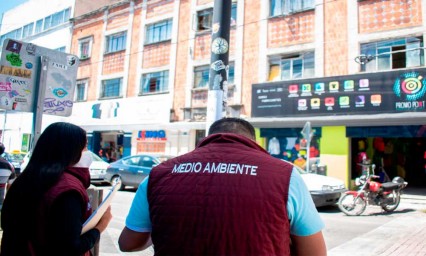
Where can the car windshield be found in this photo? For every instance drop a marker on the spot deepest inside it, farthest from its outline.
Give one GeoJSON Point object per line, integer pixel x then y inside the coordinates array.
{"type": "Point", "coordinates": [95, 157]}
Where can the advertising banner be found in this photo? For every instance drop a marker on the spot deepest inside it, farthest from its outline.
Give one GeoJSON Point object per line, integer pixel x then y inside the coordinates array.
{"type": "Point", "coordinates": [18, 76]}
{"type": "Point", "coordinates": [365, 93]}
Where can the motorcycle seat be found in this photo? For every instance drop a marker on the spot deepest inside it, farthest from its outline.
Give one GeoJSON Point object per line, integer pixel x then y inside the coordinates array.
{"type": "Point", "coordinates": [390, 186]}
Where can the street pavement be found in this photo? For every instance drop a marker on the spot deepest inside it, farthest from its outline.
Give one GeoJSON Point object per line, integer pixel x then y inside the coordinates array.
{"type": "Point", "coordinates": [405, 235]}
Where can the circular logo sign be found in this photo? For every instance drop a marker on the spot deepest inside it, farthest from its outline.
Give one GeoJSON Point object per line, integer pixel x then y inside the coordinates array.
{"type": "Point", "coordinates": [411, 85]}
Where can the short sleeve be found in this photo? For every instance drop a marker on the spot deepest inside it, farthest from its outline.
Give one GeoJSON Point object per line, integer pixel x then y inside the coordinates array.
{"type": "Point", "coordinates": [138, 218]}
{"type": "Point", "coordinates": [304, 217]}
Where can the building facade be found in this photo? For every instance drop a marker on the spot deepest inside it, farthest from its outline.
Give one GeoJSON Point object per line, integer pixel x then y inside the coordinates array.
{"type": "Point", "coordinates": [354, 69]}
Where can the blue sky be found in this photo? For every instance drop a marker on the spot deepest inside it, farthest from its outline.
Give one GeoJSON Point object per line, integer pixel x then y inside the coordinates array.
{"type": "Point", "coordinates": [6, 5]}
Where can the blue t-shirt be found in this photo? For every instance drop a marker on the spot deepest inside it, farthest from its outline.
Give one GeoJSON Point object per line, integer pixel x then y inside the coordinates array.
{"type": "Point", "coordinates": [303, 216]}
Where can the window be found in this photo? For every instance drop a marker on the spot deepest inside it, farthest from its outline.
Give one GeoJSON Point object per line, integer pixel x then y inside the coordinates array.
{"type": "Point", "coordinates": [56, 19]}
{"type": "Point", "coordinates": [155, 82]}
{"type": "Point", "coordinates": [111, 88]}
{"type": "Point", "coordinates": [201, 76]}
{"type": "Point", "coordinates": [393, 54]}
{"type": "Point", "coordinates": [116, 42]}
{"type": "Point", "coordinates": [295, 67]}
{"type": "Point", "coordinates": [14, 34]}
{"type": "Point", "coordinates": [158, 32]}
{"type": "Point", "coordinates": [39, 26]}
{"type": "Point", "coordinates": [61, 49]}
{"type": "Point", "coordinates": [84, 48]}
{"type": "Point", "coordinates": [282, 7]}
{"type": "Point", "coordinates": [27, 30]}
{"type": "Point", "coordinates": [205, 18]}
{"type": "Point", "coordinates": [80, 90]}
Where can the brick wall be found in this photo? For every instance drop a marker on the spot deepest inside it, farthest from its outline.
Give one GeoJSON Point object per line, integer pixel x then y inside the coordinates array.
{"type": "Point", "coordinates": [158, 8]}
{"type": "Point", "coordinates": [250, 52]}
{"type": "Point", "coordinates": [294, 29]}
{"type": "Point", "coordinates": [379, 15]}
{"type": "Point", "coordinates": [202, 48]}
{"type": "Point", "coordinates": [156, 55]}
{"type": "Point", "coordinates": [88, 69]}
{"type": "Point", "coordinates": [182, 58]}
{"type": "Point", "coordinates": [113, 63]}
{"type": "Point", "coordinates": [133, 81]}
{"type": "Point", "coordinates": [201, 2]}
{"type": "Point", "coordinates": [335, 37]}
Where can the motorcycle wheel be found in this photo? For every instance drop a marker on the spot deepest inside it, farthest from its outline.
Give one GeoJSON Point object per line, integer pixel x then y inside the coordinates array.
{"type": "Point", "coordinates": [351, 205]}
{"type": "Point", "coordinates": [394, 198]}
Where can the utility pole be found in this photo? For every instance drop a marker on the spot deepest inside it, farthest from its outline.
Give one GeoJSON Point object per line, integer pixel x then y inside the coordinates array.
{"type": "Point", "coordinates": [219, 62]}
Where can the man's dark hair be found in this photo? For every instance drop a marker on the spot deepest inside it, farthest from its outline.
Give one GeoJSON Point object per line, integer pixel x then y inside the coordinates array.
{"type": "Point", "coordinates": [2, 148]}
{"type": "Point", "coordinates": [233, 125]}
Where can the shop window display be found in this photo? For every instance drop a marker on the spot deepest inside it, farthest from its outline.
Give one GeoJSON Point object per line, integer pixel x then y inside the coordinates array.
{"type": "Point", "coordinates": [293, 149]}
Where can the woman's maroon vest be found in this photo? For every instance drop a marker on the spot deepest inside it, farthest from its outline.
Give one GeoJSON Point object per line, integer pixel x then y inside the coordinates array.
{"type": "Point", "coordinates": [73, 179]}
{"type": "Point", "coordinates": [227, 197]}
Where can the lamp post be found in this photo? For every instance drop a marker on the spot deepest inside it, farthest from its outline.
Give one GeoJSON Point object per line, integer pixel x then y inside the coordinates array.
{"type": "Point", "coordinates": [219, 62]}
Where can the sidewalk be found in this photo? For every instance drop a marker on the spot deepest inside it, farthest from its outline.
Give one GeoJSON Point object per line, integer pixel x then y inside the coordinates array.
{"type": "Point", "coordinates": [405, 235]}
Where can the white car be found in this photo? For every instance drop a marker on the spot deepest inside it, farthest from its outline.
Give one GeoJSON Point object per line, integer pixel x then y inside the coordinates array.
{"type": "Point", "coordinates": [97, 168]}
{"type": "Point", "coordinates": [323, 189]}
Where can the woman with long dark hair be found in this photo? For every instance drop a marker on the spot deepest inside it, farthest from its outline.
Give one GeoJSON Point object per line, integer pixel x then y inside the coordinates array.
{"type": "Point", "coordinates": [46, 206]}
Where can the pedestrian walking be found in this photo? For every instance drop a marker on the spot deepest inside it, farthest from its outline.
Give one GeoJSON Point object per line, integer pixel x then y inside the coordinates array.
{"type": "Point", "coordinates": [226, 197]}
{"type": "Point", "coordinates": [7, 175]}
{"type": "Point", "coordinates": [46, 206]}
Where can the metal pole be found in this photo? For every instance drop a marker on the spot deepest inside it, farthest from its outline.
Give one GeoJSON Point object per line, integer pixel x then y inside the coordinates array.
{"type": "Point", "coordinates": [38, 99]}
{"type": "Point", "coordinates": [4, 127]}
{"type": "Point", "coordinates": [219, 62]}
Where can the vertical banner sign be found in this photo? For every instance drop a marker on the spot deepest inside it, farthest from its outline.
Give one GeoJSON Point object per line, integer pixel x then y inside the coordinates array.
{"type": "Point", "coordinates": [218, 77]}
{"type": "Point", "coordinates": [19, 65]}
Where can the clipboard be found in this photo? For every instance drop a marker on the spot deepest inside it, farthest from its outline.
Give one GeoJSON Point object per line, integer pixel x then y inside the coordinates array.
{"type": "Point", "coordinates": [99, 212]}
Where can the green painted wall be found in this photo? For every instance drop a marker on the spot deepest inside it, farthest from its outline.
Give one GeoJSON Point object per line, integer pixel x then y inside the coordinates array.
{"type": "Point", "coordinates": [334, 141]}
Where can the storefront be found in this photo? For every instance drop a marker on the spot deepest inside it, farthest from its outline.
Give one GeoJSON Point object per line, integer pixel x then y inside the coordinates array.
{"type": "Point", "coordinates": [128, 126]}
{"type": "Point", "coordinates": [381, 114]}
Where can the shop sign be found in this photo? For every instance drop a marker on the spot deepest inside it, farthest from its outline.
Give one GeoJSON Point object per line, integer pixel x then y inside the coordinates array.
{"type": "Point", "coordinates": [152, 135]}
{"type": "Point", "coordinates": [366, 93]}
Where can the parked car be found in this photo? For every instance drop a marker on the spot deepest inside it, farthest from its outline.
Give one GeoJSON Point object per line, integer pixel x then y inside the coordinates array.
{"type": "Point", "coordinates": [132, 170]}
{"type": "Point", "coordinates": [324, 190]}
{"type": "Point", "coordinates": [97, 168]}
{"type": "Point", "coordinates": [16, 159]}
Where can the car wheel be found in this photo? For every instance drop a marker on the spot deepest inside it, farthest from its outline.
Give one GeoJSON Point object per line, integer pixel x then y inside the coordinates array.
{"type": "Point", "coordinates": [116, 179]}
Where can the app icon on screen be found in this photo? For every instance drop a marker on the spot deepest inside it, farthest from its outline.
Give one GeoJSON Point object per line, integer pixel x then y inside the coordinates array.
{"type": "Point", "coordinates": [329, 101]}
{"type": "Point", "coordinates": [344, 100]}
{"type": "Point", "coordinates": [376, 99]}
{"type": "Point", "coordinates": [363, 83]}
{"type": "Point", "coordinates": [306, 87]}
{"type": "Point", "coordinates": [319, 87]}
{"type": "Point", "coordinates": [293, 88]}
{"type": "Point", "coordinates": [315, 102]}
{"type": "Point", "coordinates": [348, 85]}
{"type": "Point", "coordinates": [302, 103]}
{"type": "Point", "coordinates": [334, 86]}
{"type": "Point", "coordinates": [360, 100]}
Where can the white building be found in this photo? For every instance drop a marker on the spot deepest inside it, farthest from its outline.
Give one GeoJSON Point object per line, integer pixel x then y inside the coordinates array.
{"type": "Point", "coordinates": [44, 23]}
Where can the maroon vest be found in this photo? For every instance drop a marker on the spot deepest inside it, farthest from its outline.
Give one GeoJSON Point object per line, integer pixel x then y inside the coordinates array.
{"type": "Point", "coordinates": [73, 179]}
{"type": "Point", "coordinates": [227, 197]}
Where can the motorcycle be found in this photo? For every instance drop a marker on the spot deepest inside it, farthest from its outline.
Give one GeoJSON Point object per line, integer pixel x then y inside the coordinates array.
{"type": "Point", "coordinates": [386, 195]}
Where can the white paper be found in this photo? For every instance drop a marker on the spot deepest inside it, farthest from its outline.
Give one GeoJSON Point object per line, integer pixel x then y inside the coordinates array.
{"type": "Point", "coordinates": [99, 212]}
